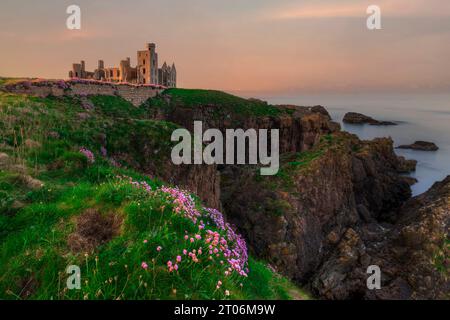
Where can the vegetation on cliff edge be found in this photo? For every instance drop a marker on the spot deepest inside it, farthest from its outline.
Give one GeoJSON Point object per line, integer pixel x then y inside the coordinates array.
{"type": "Point", "coordinates": [64, 200]}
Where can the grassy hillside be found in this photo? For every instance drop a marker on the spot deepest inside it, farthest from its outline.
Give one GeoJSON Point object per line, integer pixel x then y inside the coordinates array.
{"type": "Point", "coordinates": [65, 201]}
{"type": "Point", "coordinates": [224, 103]}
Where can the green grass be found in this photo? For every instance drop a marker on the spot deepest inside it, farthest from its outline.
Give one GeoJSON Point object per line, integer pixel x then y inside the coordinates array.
{"type": "Point", "coordinates": [42, 138]}
{"type": "Point", "coordinates": [117, 107]}
{"type": "Point", "coordinates": [223, 103]}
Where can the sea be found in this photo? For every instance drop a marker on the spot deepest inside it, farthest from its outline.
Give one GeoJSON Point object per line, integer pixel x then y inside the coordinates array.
{"type": "Point", "coordinates": [419, 117]}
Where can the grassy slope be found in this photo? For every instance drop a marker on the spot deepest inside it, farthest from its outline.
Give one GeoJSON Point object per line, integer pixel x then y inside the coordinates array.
{"type": "Point", "coordinates": [224, 103]}
{"type": "Point", "coordinates": [41, 138]}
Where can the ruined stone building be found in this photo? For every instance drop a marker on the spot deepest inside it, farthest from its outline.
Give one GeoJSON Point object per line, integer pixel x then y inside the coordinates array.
{"type": "Point", "coordinates": [145, 72]}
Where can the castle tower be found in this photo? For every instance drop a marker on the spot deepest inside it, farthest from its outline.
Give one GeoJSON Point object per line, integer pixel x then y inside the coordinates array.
{"type": "Point", "coordinates": [83, 69]}
{"type": "Point", "coordinates": [147, 65]}
{"type": "Point", "coordinates": [173, 76]}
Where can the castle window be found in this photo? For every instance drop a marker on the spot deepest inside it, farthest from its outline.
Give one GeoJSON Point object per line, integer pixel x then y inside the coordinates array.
{"type": "Point", "coordinates": [143, 71]}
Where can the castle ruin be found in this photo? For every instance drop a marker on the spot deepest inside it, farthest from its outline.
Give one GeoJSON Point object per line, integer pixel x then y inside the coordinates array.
{"type": "Point", "coordinates": [145, 72]}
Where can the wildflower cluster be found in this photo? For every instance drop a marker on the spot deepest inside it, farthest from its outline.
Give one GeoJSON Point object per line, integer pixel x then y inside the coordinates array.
{"type": "Point", "coordinates": [88, 154]}
{"type": "Point", "coordinates": [137, 184]}
{"type": "Point", "coordinates": [238, 255]}
{"type": "Point", "coordinates": [223, 246]}
{"type": "Point", "coordinates": [183, 203]}
{"type": "Point", "coordinates": [62, 84]}
{"type": "Point", "coordinates": [231, 247]}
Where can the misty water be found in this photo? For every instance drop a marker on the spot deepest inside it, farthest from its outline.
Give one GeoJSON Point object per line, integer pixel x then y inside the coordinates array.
{"type": "Point", "coordinates": [420, 117]}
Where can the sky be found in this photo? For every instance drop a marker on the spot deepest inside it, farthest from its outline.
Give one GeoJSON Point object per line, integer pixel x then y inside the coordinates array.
{"type": "Point", "coordinates": [270, 46]}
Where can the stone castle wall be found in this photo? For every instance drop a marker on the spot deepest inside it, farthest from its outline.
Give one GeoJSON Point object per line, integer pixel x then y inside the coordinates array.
{"type": "Point", "coordinates": [132, 93]}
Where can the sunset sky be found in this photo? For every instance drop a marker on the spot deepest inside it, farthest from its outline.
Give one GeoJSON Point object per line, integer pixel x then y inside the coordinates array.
{"type": "Point", "coordinates": [275, 46]}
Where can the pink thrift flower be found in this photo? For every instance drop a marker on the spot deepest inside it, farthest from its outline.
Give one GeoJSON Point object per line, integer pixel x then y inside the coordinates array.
{"type": "Point", "coordinates": [185, 252]}
{"type": "Point", "coordinates": [178, 258]}
{"type": "Point", "coordinates": [159, 248]}
{"type": "Point", "coordinates": [144, 265]}
{"type": "Point", "coordinates": [145, 241]}
{"type": "Point", "coordinates": [227, 293]}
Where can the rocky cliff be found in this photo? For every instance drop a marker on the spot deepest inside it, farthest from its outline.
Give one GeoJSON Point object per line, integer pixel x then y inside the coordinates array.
{"type": "Point", "coordinates": [412, 254]}
{"type": "Point", "coordinates": [337, 206]}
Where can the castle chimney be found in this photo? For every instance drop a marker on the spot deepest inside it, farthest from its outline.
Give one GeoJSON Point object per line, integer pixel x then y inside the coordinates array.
{"type": "Point", "coordinates": [101, 64]}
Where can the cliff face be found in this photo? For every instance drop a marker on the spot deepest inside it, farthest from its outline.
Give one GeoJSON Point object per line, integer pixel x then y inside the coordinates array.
{"type": "Point", "coordinates": [412, 254]}
{"type": "Point", "coordinates": [297, 218]}
{"type": "Point", "coordinates": [300, 128]}
{"type": "Point", "coordinates": [336, 207]}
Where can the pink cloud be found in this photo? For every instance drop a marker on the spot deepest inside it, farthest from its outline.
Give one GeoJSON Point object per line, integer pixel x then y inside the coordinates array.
{"type": "Point", "coordinates": [347, 9]}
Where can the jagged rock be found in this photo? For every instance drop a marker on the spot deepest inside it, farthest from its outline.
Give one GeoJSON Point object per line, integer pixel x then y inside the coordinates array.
{"type": "Point", "coordinates": [321, 110]}
{"type": "Point", "coordinates": [420, 145]}
{"type": "Point", "coordinates": [411, 255]}
{"type": "Point", "coordinates": [352, 182]}
{"type": "Point", "coordinates": [410, 180]}
{"type": "Point", "coordinates": [358, 118]}
{"type": "Point", "coordinates": [406, 166]}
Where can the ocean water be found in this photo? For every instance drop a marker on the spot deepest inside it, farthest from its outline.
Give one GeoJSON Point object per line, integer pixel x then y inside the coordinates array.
{"type": "Point", "coordinates": [420, 117]}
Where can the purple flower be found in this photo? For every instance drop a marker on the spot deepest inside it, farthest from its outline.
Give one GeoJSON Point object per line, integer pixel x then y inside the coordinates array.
{"type": "Point", "coordinates": [88, 154]}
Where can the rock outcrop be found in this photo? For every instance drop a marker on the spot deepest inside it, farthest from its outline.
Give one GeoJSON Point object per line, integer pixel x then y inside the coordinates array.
{"type": "Point", "coordinates": [358, 118]}
{"type": "Point", "coordinates": [297, 218]}
{"type": "Point", "coordinates": [412, 254]}
{"type": "Point", "coordinates": [420, 145]}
